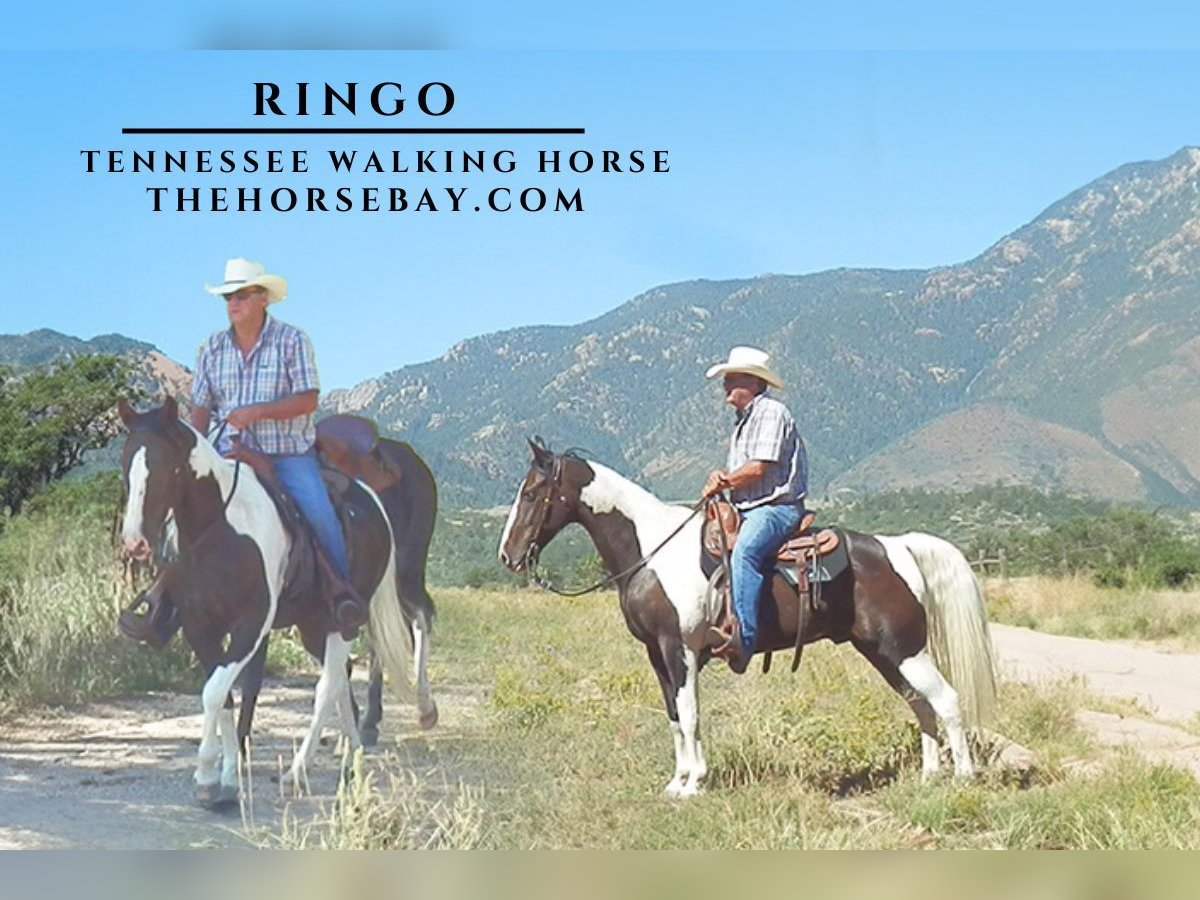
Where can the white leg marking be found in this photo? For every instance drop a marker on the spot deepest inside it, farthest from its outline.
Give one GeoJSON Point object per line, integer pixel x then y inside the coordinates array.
{"type": "Point", "coordinates": [212, 699]}
{"type": "Point", "coordinates": [332, 686]}
{"type": "Point", "coordinates": [687, 702]}
{"type": "Point", "coordinates": [229, 748]}
{"type": "Point", "coordinates": [674, 787]}
{"type": "Point", "coordinates": [920, 672]}
{"type": "Point", "coordinates": [930, 756]}
{"type": "Point", "coordinates": [425, 703]}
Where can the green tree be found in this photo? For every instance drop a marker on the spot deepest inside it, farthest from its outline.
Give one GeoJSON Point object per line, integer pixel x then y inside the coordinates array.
{"type": "Point", "coordinates": [49, 418]}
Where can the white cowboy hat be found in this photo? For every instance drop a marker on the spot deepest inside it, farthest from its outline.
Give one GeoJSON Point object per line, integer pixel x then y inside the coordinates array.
{"type": "Point", "coordinates": [242, 273]}
{"type": "Point", "coordinates": [747, 361]}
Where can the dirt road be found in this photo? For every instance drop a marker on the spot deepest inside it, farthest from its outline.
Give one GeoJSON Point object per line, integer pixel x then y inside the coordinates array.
{"type": "Point", "coordinates": [118, 773]}
{"type": "Point", "coordinates": [1166, 685]}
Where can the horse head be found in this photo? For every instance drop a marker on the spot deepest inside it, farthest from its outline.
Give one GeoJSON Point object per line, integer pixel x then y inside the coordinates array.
{"type": "Point", "coordinates": [152, 462]}
{"type": "Point", "coordinates": [546, 501]}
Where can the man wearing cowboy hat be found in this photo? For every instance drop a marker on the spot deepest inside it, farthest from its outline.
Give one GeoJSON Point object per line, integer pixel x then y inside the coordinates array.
{"type": "Point", "coordinates": [767, 476]}
{"type": "Point", "coordinates": [260, 377]}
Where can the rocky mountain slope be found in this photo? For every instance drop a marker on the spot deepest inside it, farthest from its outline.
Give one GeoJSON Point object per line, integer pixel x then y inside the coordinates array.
{"type": "Point", "coordinates": [1065, 355]}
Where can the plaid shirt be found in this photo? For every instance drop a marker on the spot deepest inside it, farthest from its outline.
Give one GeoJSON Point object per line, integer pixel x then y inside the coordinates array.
{"type": "Point", "coordinates": [280, 364]}
{"type": "Point", "coordinates": [766, 431]}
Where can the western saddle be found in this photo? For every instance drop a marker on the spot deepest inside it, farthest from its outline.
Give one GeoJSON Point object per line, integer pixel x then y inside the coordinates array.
{"type": "Point", "coordinates": [719, 535]}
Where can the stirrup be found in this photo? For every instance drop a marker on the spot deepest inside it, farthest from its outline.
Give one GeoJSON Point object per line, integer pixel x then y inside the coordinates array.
{"type": "Point", "coordinates": [154, 627]}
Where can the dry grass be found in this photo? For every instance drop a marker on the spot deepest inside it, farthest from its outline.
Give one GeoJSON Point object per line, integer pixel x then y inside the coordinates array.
{"type": "Point", "coordinates": [1077, 606]}
{"type": "Point", "coordinates": [573, 750]}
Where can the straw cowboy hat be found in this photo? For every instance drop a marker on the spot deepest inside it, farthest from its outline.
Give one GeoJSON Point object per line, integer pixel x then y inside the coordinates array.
{"type": "Point", "coordinates": [242, 273]}
{"type": "Point", "coordinates": [747, 361]}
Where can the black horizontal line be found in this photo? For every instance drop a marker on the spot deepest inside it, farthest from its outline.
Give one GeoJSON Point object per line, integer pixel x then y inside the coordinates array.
{"type": "Point", "coordinates": [352, 131]}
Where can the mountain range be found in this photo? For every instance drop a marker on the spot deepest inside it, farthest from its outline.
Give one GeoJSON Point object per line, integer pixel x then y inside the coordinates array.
{"type": "Point", "coordinates": [1066, 356]}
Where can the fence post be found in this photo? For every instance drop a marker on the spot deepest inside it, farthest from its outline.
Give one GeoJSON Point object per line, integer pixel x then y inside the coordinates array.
{"type": "Point", "coordinates": [1003, 564]}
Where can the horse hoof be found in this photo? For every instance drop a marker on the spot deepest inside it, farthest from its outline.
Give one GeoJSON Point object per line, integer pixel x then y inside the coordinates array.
{"type": "Point", "coordinates": [215, 796]}
{"type": "Point", "coordinates": [428, 719]}
{"type": "Point", "coordinates": [369, 736]}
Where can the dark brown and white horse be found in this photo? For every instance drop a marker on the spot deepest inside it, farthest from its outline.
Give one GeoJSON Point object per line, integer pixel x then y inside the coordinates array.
{"type": "Point", "coordinates": [910, 604]}
{"type": "Point", "coordinates": [233, 554]}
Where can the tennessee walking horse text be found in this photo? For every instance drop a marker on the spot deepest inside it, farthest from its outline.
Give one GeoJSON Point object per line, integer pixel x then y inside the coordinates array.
{"type": "Point", "coordinates": [229, 583]}
{"type": "Point", "coordinates": [910, 604]}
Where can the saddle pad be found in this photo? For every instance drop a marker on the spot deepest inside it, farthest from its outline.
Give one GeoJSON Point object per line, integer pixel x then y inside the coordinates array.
{"type": "Point", "coordinates": [823, 568]}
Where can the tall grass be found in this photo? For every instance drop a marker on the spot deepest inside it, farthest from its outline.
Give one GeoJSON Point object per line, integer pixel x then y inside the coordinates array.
{"type": "Point", "coordinates": [60, 592]}
{"type": "Point", "coordinates": [571, 748]}
{"type": "Point", "coordinates": [1075, 605]}
{"type": "Point", "coordinates": [388, 810]}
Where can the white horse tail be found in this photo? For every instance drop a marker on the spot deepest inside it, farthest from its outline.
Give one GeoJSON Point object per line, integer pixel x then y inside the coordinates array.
{"type": "Point", "coordinates": [388, 634]}
{"type": "Point", "coordinates": [959, 641]}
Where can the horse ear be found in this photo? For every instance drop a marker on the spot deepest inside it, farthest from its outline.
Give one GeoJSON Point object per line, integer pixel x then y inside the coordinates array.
{"type": "Point", "coordinates": [170, 409]}
{"type": "Point", "coordinates": [540, 455]}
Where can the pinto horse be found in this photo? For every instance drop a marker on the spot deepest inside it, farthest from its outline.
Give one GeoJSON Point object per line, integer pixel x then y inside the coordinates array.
{"type": "Point", "coordinates": [910, 604]}
{"type": "Point", "coordinates": [233, 554]}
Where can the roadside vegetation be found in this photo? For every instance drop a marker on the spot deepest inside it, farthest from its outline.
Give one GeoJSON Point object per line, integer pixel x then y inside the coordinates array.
{"type": "Point", "coordinates": [571, 748]}
{"type": "Point", "coordinates": [60, 591]}
{"type": "Point", "coordinates": [1076, 605]}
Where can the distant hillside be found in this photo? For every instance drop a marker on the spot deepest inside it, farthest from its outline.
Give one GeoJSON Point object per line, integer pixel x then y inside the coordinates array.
{"type": "Point", "coordinates": [24, 351]}
{"type": "Point", "coordinates": [989, 443]}
{"type": "Point", "coordinates": [1080, 330]}
{"type": "Point", "coordinates": [1065, 357]}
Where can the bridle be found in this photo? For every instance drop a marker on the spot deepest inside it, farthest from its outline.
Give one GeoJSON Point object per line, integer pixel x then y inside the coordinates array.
{"type": "Point", "coordinates": [237, 468]}
{"type": "Point", "coordinates": [533, 550]}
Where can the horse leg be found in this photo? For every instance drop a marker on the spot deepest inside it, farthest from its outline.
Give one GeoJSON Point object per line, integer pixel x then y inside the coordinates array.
{"type": "Point", "coordinates": [926, 718]}
{"type": "Point", "coordinates": [924, 677]}
{"type": "Point", "coordinates": [426, 707]}
{"type": "Point", "coordinates": [675, 785]}
{"type": "Point", "coordinates": [688, 703]}
{"type": "Point", "coordinates": [332, 695]}
{"type": "Point", "coordinates": [216, 767]}
{"type": "Point", "coordinates": [251, 683]}
{"type": "Point", "coordinates": [369, 729]}
{"type": "Point", "coordinates": [677, 667]}
{"type": "Point", "coordinates": [207, 777]}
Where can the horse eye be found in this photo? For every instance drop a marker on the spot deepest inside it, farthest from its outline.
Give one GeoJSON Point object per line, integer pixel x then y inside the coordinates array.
{"type": "Point", "coordinates": [528, 495]}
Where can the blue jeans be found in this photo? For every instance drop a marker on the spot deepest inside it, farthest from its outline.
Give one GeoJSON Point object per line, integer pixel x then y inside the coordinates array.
{"type": "Point", "coordinates": [301, 478]}
{"type": "Point", "coordinates": [763, 531]}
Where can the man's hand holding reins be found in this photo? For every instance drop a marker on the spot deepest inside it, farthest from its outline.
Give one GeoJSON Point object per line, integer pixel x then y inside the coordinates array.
{"type": "Point", "coordinates": [720, 480]}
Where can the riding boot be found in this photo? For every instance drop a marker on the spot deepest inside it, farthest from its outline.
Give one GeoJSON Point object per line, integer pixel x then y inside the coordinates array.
{"type": "Point", "coordinates": [347, 607]}
{"type": "Point", "coordinates": [726, 643]}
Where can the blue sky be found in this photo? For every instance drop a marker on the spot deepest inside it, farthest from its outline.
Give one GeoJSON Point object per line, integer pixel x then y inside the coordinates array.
{"type": "Point", "coordinates": [785, 161]}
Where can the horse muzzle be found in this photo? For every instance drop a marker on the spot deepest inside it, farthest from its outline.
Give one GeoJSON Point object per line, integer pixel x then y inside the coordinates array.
{"type": "Point", "coordinates": [521, 563]}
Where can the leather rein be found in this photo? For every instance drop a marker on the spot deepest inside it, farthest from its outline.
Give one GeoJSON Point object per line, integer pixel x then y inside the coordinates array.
{"type": "Point", "coordinates": [533, 551]}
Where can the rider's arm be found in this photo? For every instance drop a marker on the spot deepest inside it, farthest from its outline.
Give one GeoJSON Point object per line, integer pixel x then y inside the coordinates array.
{"type": "Point", "coordinates": [745, 474]}
{"type": "Point", "coordinates": [720, 480]}
{"type": "Point", "coordinates": [289, 407]}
